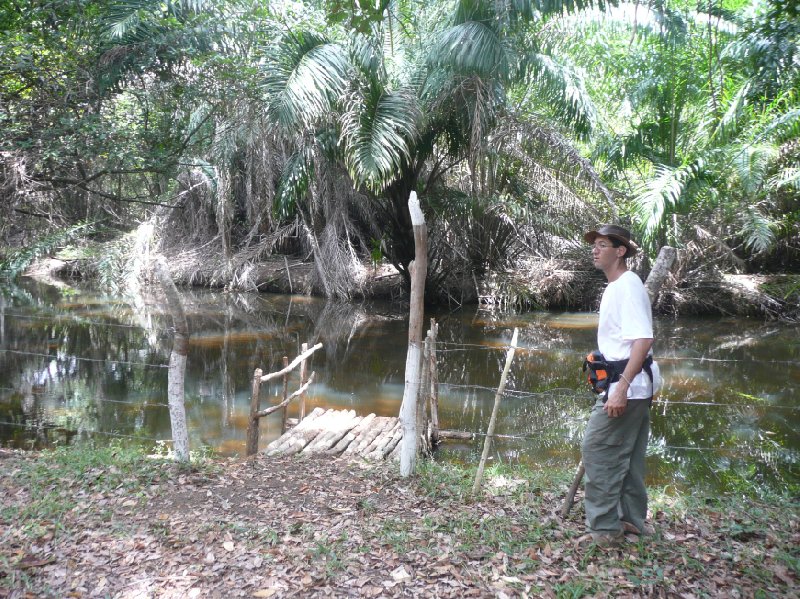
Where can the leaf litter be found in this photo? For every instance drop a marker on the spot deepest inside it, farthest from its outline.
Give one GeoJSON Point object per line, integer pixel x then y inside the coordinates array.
{"type": "Point", "coordinates": [313, 527]}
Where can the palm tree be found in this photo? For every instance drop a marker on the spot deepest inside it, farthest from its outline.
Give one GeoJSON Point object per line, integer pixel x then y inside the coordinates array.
{"type": "Point", "coordinates": [439, 119]}
{"type": "Point", "coordinates": [710, 117]}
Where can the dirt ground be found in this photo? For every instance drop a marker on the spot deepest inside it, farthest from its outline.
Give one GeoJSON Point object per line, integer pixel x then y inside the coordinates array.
{"type": "Point", "coordinates": [290, 527]}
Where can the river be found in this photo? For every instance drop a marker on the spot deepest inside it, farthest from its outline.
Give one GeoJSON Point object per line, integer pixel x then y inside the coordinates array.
{"type": "Point", "coordinates": [80, 364]}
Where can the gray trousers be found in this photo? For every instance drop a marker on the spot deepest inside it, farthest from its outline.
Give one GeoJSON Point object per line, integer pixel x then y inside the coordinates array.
{"type": "Point", "coordinates": [614, 457]}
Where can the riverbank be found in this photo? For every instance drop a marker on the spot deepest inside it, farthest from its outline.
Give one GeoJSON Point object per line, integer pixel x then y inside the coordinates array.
{"type": "Point", "coordinates": [546, 284]}
{"type": "Point", "coordinates": [113, 522]}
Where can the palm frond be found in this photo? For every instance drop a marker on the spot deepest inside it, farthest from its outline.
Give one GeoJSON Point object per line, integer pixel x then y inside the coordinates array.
{"type": "Point", "coordinates": [306, 75]}
{"type": "Point", "coordinates": [757, 229]}
{"type": "Point", "coordinates": [472, 48]}
{"type": "Point", "coordinates": [378, 129]}
{"type": "Point", "coordinates": [784, 127]}
{"type": "Point", "coordinates": [137, 20]}
{"type": "Point", "coordinates": [16, 261]}
{"type": "Point", "coordinates": [565, 91]}
{"type": "Point", "coordinates": [294, 182]}
{"type": "Point", "coordinates": [366, 55]}
{"type": "Point", "coordinates": [751, 166]}
{"type": "Point", "coordinates": [731, 122]}
{"type": "Point", "coordinates": [787, 178]}
{"type": "Point", "coordinates": [662, 193]}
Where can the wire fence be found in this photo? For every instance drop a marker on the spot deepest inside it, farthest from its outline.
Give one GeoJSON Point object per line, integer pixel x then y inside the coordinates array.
{"type": "Point", "coordinates": [80, 359]}
{"type": "Point", "coordinates": [737, 451]}
{"type": "Point", "coordinates": [443, 347]}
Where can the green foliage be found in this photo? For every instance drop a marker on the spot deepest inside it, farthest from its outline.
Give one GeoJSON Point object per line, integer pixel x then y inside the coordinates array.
{"type": "Point", "coordinates": [16, 261]}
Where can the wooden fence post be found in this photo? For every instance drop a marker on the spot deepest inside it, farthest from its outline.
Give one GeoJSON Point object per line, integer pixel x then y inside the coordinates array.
{"type": "Point", "coordinates": [422, 400]}
{"type": "Point", "coordinates": [419, 272]}
{"type": "Point", "coordinates": [252, 425]}
{"type": "Point", "coordinates": [487, 443]}
{"type": "Point", "coordinates": [434, 378]}
{"type": "Point", "coordinates": [285, 394]}
{"type": "Point", "coordinates": [303, 378]}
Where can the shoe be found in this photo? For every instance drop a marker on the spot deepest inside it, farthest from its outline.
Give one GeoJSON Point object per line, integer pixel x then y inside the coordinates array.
{"type": "Point", "coordinates": [647, 531]}
{"type": "Point", "coordinates": [601, 539]}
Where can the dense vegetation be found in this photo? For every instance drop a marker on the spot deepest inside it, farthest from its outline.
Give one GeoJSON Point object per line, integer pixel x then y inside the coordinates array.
{"type": "Point", "coordinates": [223, 132]}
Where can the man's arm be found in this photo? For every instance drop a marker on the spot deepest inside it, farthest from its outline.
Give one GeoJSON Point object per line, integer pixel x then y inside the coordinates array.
{"type": "Point", "coordinates": [618, 400]}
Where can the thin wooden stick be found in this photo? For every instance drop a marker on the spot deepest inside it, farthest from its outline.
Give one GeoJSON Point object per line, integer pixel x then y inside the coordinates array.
{"type": "Point", "coordinates": [303, 389]}
{"type": "Point", "coordinates": [569, 500]}
{"type": "Point", "coordinates": [290, 367]}
{"type": "Point", "coordinates": [493, 420]}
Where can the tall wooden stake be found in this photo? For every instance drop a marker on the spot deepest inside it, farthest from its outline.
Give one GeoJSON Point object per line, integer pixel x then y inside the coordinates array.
{"type": "Point", "coordinates": [487, 443]}
{"type": "Point", "coordinates": [434, 376]}
{"type": "Point", "coordinates": [419, 272]}
{"type": "Point", "coordinates": [252, 424]}
{"type": "Point", "coordinates": [303, 379]}
{"type": "Point", "coordinates": [285, 395]}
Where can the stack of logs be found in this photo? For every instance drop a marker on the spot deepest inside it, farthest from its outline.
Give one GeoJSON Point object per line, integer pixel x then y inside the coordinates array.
{"type": "Point", "coordinates": [341, 433]}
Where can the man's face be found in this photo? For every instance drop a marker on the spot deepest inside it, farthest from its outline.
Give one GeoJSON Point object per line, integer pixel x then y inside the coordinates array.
{"type": "Point", "coordinates": [604, 254]}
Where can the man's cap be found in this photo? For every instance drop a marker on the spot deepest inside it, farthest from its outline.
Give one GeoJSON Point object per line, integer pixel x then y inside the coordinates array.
{"type": "Point", "coordinates": [614, 232]}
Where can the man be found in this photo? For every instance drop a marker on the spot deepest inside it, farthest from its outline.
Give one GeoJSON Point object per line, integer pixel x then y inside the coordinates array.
{"type": "Point", "coordinates": [616, 437]}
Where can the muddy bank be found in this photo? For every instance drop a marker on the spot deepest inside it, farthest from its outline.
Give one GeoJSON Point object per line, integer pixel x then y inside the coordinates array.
{"type": "Point", "coordinates": [534, 284]}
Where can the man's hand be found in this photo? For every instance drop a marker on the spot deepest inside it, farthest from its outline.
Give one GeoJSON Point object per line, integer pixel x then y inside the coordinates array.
{"type": "Point", "coordinates": [617, 400]}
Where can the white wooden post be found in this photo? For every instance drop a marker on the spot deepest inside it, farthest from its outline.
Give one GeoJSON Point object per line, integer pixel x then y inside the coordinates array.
{"type": "Point", "coordinates": [177, 364]}
{"type": "Point", "coordinates": [419, 272]}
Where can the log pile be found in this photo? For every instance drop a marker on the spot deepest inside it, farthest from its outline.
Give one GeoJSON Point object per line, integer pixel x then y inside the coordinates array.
{"type": "Point", "coordinates": [341, 432]}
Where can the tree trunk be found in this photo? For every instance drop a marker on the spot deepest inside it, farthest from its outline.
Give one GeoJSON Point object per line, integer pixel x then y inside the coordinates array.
{"type": "Point", "coordinates": [659, 272]}
{"type": "Point", "coordinates": [419, 270]}
{"type": "Point", "coordinates": [177, 364]}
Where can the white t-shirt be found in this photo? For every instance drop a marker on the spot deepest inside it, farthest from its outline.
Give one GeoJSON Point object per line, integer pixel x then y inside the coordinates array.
{"type": "Point", "coordinates": [625, 315]}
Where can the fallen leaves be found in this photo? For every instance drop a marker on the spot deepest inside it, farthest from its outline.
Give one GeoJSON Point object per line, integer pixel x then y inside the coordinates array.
{"type": "Point", "coordinates": [309, 527]}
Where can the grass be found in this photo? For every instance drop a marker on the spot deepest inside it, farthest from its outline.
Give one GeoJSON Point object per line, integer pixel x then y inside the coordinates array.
{"type": "Point", "coordinates": [510, 534]}
{"type": "Point", "coordinates": [62, 475]}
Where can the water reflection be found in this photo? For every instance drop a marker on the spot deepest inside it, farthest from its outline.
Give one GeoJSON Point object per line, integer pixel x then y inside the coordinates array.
{"type": "Point", "coordinates": [82, 364]}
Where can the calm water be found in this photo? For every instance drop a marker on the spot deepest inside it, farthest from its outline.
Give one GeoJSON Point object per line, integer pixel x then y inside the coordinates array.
{"type": "Point", "coordinates": [78, 364]}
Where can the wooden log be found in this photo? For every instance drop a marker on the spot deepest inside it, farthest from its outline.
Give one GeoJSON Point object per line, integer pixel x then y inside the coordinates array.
{"type": "Point", "coordinates": [386, 443]}
{"type": "Point", "coordinates": [275, 408]}
{"type": "Point", "coordinates": [176, 374]}
{"type": "Point", "coordinates": [336, 427]}
{"type": "Point", "coordinates": [351, 436]}
{"type": "Point", "coordinates": [252, 425]}
{"type": "Point", "coordinates": [460, 435]}
{"type": "Point", "coordinates": [424, 441]}
{"type": "Point", "coordinates": [382, 437]}
{"type": "Point", "coordinates": [366, 437]}
{"type": "Point", "coordinates": [419, 272]}
{"type": "Point", "coordinates": [277, 445]}
{"type": "Point", "coordinates": [303, 435]}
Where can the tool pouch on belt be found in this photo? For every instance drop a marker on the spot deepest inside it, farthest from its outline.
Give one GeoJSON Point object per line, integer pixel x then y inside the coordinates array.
{"type": "Point", "coordinates": [601, 372]}
{"type": "Point", "coordinates": [597, 372]}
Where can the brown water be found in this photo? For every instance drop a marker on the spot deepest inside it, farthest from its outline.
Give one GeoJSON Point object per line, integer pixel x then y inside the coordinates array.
{"type": "Point", "coordinates": [83, 365]}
